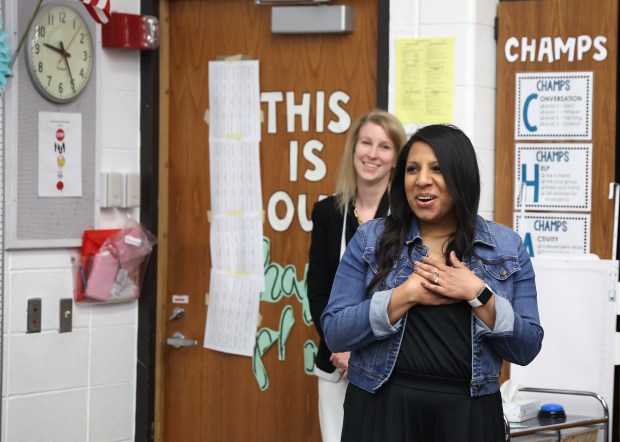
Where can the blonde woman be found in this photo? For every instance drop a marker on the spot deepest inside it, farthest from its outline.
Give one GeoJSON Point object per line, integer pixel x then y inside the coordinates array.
{"type": "Point", "coordinates": [373, 143]}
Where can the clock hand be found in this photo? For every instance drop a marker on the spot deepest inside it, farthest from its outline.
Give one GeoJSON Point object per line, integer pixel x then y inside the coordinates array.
{"type": "Point", "coordinates": [73, 38]}
{"type": "Point", "coordinates": [65, 54]}
{"type": "Point", "coordinates": [70, 43]}
{"type": "Point", "coordinates": [54, 48]}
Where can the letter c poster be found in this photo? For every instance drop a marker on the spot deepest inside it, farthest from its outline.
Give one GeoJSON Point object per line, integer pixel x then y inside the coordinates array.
{"type": "Point", "coordinates": [553, 105]}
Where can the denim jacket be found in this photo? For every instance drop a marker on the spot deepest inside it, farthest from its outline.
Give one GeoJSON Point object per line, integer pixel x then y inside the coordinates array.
{"type": "Point", "coordinates": [356, 322]}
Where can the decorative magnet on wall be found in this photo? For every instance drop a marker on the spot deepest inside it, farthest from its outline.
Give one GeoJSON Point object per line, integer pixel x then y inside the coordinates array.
{"type": "Point", "coordinates": [131, 31]}
{"type": "Point", "coordinates": [5, 59]}
{"type": "Point", "coordinates": [99, 10]}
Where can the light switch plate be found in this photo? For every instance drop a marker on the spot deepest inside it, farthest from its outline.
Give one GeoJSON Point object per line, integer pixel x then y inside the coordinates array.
{"type": "Point", "coordinates": [111, 189]}
{"type": "Point", "coordinates": [131, 190]}
{"type": "Point", "coordinates": [33, 316]}
{"type": "Point", "coordinates": [65, 320]}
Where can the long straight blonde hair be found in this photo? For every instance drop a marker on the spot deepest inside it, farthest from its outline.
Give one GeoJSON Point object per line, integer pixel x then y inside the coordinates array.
{"type": "Point", "coordinates": [346, 183]}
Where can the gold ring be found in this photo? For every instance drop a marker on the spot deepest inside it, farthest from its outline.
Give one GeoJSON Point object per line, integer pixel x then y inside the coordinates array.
{"type": "Point", "coordinates": [436, 279]}
{"type": "Point", "coordinates": [436, 273]}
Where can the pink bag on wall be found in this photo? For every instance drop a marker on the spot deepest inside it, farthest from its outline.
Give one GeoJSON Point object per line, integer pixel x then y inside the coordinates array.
{"type": "Point", "coordinates": [116, 271]}
{"type": "Point", "coordinates": [92, 241]}
{"type": "Point", "coordinates": [102, 276]}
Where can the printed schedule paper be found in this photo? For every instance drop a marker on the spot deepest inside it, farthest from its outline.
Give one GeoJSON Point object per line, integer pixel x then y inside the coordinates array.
{"type": "Point", "coordinates": [235, 176]}
{"type": "Point", "coordinates": [425, 80]}
{"type": "Point", "coordinates": [232, 315]}
{"type": "Point", "coordinates": [234, 248]}
{"type": "Point", "coordinates": [234, 100]}
{"type": "Point", "coordinates": [236, 215]}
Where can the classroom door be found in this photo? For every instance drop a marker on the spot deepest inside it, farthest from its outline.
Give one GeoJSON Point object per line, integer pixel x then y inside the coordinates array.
{"type": "Point", "coordinates": [316, 85]}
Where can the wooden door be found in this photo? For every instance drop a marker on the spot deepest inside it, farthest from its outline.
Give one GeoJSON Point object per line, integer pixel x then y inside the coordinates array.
{"type": "Point", "coordinates": [536, 37]}
{"type": "Point", "coordinates": [206, 395]}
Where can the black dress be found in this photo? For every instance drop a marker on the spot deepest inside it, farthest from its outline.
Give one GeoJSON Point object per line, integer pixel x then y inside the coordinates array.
{"type": "Point", "coordinates": [324, 258]}
{"type": "Point", "coordinates": [427, 397]}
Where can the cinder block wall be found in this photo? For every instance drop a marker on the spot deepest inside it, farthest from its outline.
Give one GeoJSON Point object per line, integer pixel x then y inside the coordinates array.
{"type": "Point", "coordinates": [471, 23]}
{"type": "Point", "coordinates": [78, 386]}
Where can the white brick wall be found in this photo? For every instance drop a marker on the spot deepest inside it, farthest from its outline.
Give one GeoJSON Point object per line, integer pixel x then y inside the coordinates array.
{"type": "Point", "coordinates": [77, 386]}
{"type": "Point", "coordinates": [80, 386]}
{"type": "Point", "coordinates": [471, 24]}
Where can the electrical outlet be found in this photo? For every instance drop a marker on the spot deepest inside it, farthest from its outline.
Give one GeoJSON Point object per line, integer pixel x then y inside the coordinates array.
{"type": "Point", "coordinates": [34, 316]}
{"type": "Point", "coordinates": [65, 320]}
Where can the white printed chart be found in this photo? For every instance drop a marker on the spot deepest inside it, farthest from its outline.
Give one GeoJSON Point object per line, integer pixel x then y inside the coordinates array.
{"type": "Point", "coordinates": [236, 215]}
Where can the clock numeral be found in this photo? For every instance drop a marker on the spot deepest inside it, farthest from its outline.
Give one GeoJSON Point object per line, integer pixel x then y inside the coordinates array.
{"type": "Point", "coordinates": [85, 56]}
{"type": "Point", "coordinates": [60, 88]}
{"type": "Point", "coordinates": [49, 80]}
{"type": "Point", "coordinates": [41, 31]}
{"type": "Point", "coordinates": [36, 48]}
{"type": "Point", "coordinates": [62, 16]}
{"type": "Point", "coordinates": [50, 19]}
{"type": "Point", "coordinates": [40, 66]}
{"type": "Point", "coordinates": [82, 38]}
{"type": "Point", "coordinates": [82, 72]}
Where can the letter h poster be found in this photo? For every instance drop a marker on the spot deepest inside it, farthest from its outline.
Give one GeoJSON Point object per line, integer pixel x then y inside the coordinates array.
{"type": "Point", "coordinates": [553, 177]}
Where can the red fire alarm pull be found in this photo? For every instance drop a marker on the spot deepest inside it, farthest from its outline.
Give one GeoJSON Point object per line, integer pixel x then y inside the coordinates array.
{"type": "Point", "coordinates": [131, 31]}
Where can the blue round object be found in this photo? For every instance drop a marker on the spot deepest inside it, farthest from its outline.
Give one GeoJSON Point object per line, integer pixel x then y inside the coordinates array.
{"type": "Point", "coordinates": [551, 407]}
{"type": "Point", "coordinates": [552, 411]}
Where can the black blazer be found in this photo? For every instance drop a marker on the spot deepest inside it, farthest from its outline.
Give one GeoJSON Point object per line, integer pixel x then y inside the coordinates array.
{"type": "Point", "coordinates": [324, 259]}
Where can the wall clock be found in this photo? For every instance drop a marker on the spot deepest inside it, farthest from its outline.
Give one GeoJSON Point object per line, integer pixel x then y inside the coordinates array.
{"type": "Point", "coordinates": [59, 54]}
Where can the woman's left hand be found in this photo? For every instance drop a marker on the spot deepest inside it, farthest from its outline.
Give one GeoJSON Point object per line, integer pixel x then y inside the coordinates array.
{"type": "Point", "coordinates": [341, 362]}
{"type": "Point", "coordinates": [456, 282]}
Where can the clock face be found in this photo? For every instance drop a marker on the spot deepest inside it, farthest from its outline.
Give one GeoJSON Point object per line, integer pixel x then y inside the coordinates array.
{"type": "Point", "coordinates": [59, 54]}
